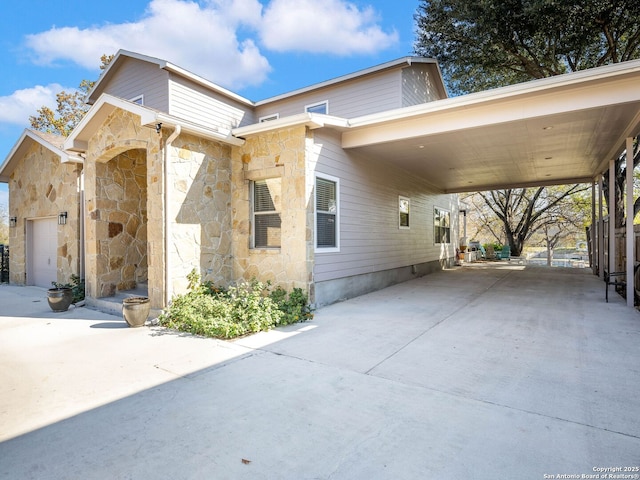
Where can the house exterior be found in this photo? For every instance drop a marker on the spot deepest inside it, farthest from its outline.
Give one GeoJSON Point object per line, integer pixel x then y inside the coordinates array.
{"type": "Point", "coordinates": [168, 173]}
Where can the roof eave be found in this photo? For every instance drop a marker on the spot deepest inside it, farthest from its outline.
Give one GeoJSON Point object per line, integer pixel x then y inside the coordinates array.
{"type": "Point", "coordinates": [310, 120]}
{"type": "Point", "coordinates": [78, 140]}
{"type": "Point", "coordinates": [501, 93]}
{"type": "Point", "coordinates": [20, 147]}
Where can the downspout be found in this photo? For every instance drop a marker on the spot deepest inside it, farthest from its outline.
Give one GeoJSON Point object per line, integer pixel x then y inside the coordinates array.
{"type": "Point", "coordinates": [81, 224]}
{"type": "Point", "coordinates": [167, 217]}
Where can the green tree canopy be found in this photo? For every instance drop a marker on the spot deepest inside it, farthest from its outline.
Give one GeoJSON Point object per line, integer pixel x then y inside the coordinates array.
{"type": "Point", "coordinates": [71, 107]}
{"type": "Point", "coordinates": [490, 43]}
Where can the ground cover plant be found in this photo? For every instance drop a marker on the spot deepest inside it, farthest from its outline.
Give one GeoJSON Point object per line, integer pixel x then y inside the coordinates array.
{"type": "Point", "coordinates": [245, 308]}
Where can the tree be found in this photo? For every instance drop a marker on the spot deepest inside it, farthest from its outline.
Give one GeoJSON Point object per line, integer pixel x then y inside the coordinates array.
{"type": "Point", "coordinates": [4, 226]}
{"type": "Point", "coordinates": [564, 222]}
{"type": "Point", "coordinates": [492, 43]}
{"type": "Point", "coordinates": [524, 211]}
{"type": "Point", "coordinates": [70, 108]}
{"type": "Point", "coordinates": [482, 223]}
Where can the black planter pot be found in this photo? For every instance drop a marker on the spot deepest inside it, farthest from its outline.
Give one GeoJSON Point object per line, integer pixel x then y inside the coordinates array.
{"type": "Point", "coordinates": [59, 298]}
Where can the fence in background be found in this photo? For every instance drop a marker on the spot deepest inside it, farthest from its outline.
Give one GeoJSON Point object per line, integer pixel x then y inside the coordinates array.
{"type": "Point", "coordinates": [4, 263]}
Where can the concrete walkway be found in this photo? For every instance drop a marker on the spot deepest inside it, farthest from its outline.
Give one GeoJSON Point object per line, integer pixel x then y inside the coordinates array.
{"type": "Point", "coordinates": [489, 371]}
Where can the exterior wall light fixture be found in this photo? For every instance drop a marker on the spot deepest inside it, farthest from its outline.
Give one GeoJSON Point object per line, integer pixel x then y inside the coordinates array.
{"type": "Point", "coordinates": [13, 222]}
{"type": "Point", "coordinates": [62, 218]}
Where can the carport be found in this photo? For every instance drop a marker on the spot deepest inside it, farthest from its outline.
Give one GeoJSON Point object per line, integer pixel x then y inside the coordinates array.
{"type": "Point", "coordinates": [559, 130]}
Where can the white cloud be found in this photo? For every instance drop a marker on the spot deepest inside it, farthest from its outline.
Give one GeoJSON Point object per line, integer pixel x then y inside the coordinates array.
{"type": "Point", "coordinates": [219, 39]}
{"type": "Point", "coordinates": [328, 26]}
{"type": "Point", "coordinates": [200, 38]}
{"type": "Point", "coordinates": [17, 107]}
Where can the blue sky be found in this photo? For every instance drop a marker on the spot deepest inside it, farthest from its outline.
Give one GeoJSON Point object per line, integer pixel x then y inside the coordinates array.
{"type": "Point", "coordinates": [256, 48]}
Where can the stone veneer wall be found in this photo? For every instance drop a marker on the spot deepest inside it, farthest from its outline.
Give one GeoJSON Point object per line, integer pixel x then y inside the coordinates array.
{"type": "Point", "coordinates": [199, 211]}
{"type": "Point", "coordinates": [117, 195]}
{"type": "Point", "coordinates": [41, 186]}
{"type": "Point", "coordinates": [270, 155]}
{"type": "Point", "coordinates": [121, 185]}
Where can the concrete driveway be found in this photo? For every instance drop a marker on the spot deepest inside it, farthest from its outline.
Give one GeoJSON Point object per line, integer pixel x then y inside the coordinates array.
{"type": "Point", "coordinates": [489, 371]}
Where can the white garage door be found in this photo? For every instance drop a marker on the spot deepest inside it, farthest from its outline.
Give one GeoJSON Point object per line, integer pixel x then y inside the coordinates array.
{"type": "Point", "coordinates": [43, 254]}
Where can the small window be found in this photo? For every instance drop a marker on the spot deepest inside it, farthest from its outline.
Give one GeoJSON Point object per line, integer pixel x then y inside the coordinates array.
{"type": "Point", "coordinates": [441, 225]}
{"type": "Point", "coordinates": [403, 210]}
{"type": "Point", "coordinates": [322, 107]}
{"type": "Point", "coordinates": [327, 234]}
{"type": "Point", "coordinates": [268, 118]}
{"type": "Point", "coordinates": [266, 213]}
{"type": "Point", "coordinates": [139, 100]}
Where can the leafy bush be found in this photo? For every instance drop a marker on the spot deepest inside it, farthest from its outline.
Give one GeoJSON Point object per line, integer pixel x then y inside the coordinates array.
{"type": "Point", "coordinates": [248, 307]}
{"type": "Point", "coordinates": [295, 307]}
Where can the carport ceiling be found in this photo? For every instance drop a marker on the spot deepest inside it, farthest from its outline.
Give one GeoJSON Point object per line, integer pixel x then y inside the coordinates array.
{"type": "Point", "coordinates": [552, 131]}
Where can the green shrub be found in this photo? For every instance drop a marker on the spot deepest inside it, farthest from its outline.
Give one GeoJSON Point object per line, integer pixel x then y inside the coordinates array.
{"type": "Point", "coordinates": [295, 307]}
{"type": "Point", "coordinates": [497, 247]}
{"type": "Point", "coordinates": [248, 307]}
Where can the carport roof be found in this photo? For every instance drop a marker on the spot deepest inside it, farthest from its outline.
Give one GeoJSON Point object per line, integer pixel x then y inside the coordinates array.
{"type": "Point", "coordinates": [556, 130]}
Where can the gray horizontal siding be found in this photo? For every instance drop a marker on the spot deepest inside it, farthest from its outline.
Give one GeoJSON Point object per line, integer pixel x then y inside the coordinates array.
{"type": "Point", "coordinates": [193, 102]}
{"type": "Point", "coordinates": [418, 85]}
{"type": "Point", "coordinates": [370, 240]}
{"type": "Point", "coordinates": [366, 95]}
{"type": "Point", "coordinates": [135, 78]}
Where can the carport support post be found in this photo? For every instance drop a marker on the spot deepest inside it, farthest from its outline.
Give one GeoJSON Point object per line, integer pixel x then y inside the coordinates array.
{"type": "Point", "coordinates": [630, 234]}
{"type": "Point", "coordinates": [612, 216]}
{"type": "Point", "coordinates": [593, 231]}
{"type": "Point", "coordinates": [600, 240]}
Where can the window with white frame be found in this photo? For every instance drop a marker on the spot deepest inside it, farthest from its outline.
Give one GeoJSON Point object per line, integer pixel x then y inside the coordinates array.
{"type": "Point", "coordinates": [139, 100]}
{"type": "Point", "coordinates": [268, 118]}
{"type": "Point", "coordinates": [441, 225]}
{"type": "Point", "coordinates": [320, 107]}
{"type": "Point", "coordinates": [327, 231]}
{"type": "Point", "coordinates": [403, 211]}
{"type": "Point", "coordinates": [266, 208]}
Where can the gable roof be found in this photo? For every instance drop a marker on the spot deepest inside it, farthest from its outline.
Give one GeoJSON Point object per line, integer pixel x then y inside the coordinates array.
{"type": "Point", "coordinates": [49, 141]}
{"type": "Point", "coordinates": [393, 64]}
{"type": "Point", "coordinates": [122, 55]}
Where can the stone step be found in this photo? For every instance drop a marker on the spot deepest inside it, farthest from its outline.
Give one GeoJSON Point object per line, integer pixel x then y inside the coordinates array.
{"type": "Point", "coordinates": [113, 305]}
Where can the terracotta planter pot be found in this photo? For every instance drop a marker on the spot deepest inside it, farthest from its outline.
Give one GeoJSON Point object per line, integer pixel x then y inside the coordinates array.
{"type": "Point", "coordinates": [135, 310]}
{"type": "Point", "coordinates": [59, 299]}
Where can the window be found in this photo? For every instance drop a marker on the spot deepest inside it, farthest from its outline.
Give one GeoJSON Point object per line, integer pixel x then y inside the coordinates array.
{"type": "Point", "coordinates": [327, 234]}
{"type": "Point", "coordinates": [268, 118]}
{"type": "Point", "coordinates": [139, 100]}
{"type": "Point", "coordinates": [322, 107]}
{"type": "Point", "coordinates": [441, 225]}
{"type": "Point", "coordinates": [266, 213]}
{"type": "Point", "coordinates": [403, 210]}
